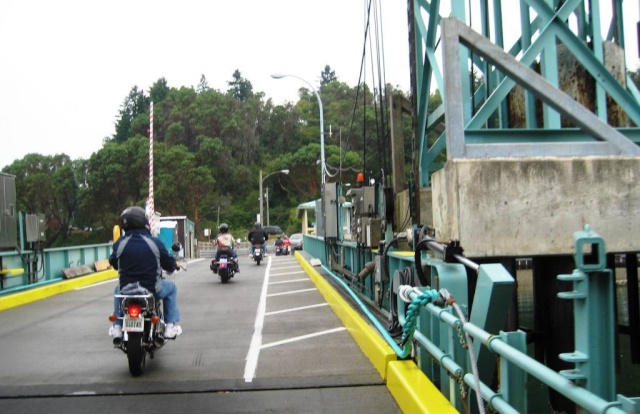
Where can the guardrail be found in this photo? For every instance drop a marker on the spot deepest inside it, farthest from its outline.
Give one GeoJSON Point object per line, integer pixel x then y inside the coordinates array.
{"type": "Point", "coordinates": [459, 352]}
{"type": "Point", "coordinates": [29, 268]}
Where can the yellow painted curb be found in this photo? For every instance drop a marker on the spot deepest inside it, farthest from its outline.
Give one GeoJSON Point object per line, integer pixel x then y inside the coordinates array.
{"type": "Point", "coordinates": [409, 386]}
{"type": "Point", "coordinates": [20, 298]}
{"type": "Point", "coordinates": [414, 392]}
{"type": "Point", "coordinates": [369, 340]}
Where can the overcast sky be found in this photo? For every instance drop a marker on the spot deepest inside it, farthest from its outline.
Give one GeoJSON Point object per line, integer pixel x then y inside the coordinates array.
{"type": "Point", "coordinates": [66, 66]}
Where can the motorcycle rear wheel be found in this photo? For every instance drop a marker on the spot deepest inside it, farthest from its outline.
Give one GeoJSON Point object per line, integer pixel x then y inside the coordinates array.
{"type": "Point", "coordinates": [224, 275]}
{"type": "Point", "coordinates": [136, 354]}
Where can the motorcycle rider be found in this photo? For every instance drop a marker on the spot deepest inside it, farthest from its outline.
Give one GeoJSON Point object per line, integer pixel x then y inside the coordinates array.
{"type": "Point", "coordinates": [258, 235]}
{"type": "Point", "coordinates": [279, 245]}
{"type": "Point", "coordinates": [287, 244]}
{"type": "Point", "coordinates": [140, 257]}
{"type": "Point", "coordinates": [225, 242]}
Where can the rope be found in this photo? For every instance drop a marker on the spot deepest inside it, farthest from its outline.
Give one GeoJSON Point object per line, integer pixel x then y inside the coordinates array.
{"type": "Point", "coordinates": [421, 300]}
{"type": "Point", "coordinates": [415, 305]}
{"type": "Point", "coordinates": [472, 357]}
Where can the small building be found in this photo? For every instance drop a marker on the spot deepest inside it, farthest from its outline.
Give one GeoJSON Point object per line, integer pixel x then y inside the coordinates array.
{"type": "Point", "coordinates": [179, 229]}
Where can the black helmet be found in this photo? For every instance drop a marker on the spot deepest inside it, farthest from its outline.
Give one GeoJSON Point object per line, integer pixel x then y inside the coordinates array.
{"type": "Point", "coordinates": [224, 228]}
{"type": "Point", "coordinates": [133, 218]}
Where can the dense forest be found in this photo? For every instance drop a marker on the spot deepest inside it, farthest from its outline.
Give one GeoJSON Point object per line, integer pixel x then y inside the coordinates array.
{"type": "Point", "coordinates": [209, 148]}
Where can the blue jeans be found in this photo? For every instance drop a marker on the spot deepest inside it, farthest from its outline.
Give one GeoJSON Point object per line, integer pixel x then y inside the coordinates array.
{"type": "Point", "coordinates": [169, 295]}
{"type": "Point", "coordinates": [231, 252]}
{"type": "Point", "coordinates": [264, 248]}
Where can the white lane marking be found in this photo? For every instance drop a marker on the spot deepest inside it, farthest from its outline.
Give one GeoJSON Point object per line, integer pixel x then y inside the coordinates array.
{"type": "Point", "coordinates": [291, 292]}
{"type": "Point", "coordinates": [302, 272]}
{"type": "Point", "coordinates": [97, 284]}
{"type": "Point", "coordinates": [256, 339]}
{"type": "Point", "coordinates": [300, 338]}
{"type": "Point", "coordinates": [290, 281]}
{"type": "Point", "coordinates": [296, 309]}
{"type": "Point", "coordinates": [286, 267]}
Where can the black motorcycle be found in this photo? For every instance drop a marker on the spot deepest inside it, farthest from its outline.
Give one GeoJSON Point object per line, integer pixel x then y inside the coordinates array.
{"type": "Point", "coordinates": [225, 266]}
{"type": "Point", "coordinates": [257, 253]}
{"type": "Point", "coordinates": [142, 323]}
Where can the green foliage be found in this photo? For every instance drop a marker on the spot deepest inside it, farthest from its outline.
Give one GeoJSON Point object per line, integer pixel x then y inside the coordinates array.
{"type": "Point", "coordinates": [209, 147]}
{"type": "Point", "coordinates": [327, 76]}
{"type": "Point", "coordinates": [240, 88]}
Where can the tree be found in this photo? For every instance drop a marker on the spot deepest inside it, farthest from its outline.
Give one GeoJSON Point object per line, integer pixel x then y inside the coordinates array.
{"type": "Point", "coordinates": [159, 91]}
{"type": "Point", "coordinates": [203, 86]}
{"type": "Point", "coordinates": [240, 88]}
{"type": "Point", "coordinates": [183, 187]}
{"type": "Point", "coordinates": [118, 177]}
{"type": "Point", "coordinates": [327, 76]}
{"type": "Point", "coordinates": [47, 185]}
{"type": "Point", "coordinates": [135, 103]}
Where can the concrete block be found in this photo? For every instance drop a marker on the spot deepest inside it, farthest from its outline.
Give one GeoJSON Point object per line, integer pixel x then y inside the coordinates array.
{"type": "Point", "coordinates": [532, 206]}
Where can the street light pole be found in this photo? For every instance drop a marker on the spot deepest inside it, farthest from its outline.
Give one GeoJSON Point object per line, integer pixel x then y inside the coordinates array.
{"type": "Point", "coordinates": [324, 165]}
{"type": "Point", "coordinates": [267, 196]}
{"type": "Point", "coordinates": [285, 171]}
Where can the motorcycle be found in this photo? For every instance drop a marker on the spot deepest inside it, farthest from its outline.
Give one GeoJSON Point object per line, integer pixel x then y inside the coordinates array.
{"type": "Point", "coordinates": [257, 253]}
{"type": "Point", "coordinates": [225, 266]}
{"type": "Point", "coordinates": [142, 325]}
{"type": "Point", "coordinates": [280, 250]}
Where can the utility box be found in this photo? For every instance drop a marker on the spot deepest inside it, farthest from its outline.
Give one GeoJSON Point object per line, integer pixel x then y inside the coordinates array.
{"type": "Point", "coordinates": [330, 210]}
{"type": "Point", "coordinates": [370, 232]}
{"type": "Point", "coordinates": [363, 200]}
{"type": "Point", "coordinates": [8, 213]}
{"type": "Point", "coordinates": [35, 228]}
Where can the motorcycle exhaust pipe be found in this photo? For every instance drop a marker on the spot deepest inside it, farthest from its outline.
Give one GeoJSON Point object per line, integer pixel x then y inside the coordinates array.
{"type": "Point", "coordinates": [160, 341]}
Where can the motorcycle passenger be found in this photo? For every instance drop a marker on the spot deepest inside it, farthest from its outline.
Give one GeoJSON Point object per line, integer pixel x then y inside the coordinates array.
{"type": "Point", "coordinates": [287, 244]}
{"type": "Point", "coordinates": [279, 245]}
{"type": "Point", "coordinates": [140, 257]}
{"type": "Point", "coordinates": [225, 242]}
{"type": "Point", "coordinates": [258, 235]}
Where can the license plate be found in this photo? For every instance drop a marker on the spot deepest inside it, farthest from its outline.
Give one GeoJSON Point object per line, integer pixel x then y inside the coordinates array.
{"type": "Point", "coordinates": [133, 324]}
{"type": "Point", "coordinates": [223, 262]}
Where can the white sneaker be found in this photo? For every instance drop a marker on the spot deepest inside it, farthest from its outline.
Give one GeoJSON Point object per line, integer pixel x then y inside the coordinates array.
{"type": "Point", "coordinates": [115, 331]}
{"type": "Point", "coordinates": [172, 330]}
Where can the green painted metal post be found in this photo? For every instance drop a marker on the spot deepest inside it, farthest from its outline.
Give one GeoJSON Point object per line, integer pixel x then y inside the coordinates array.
{"type": "Point", "coordinates": [513, 380]}
{"type": "Point", "coordinates": [491, 303]}
{"type": "Point", "coordinates": [594, 317]}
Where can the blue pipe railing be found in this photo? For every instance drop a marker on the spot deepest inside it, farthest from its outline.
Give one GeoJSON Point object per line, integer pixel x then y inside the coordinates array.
{"type": "Point", "coordinates": [46, 266]}
{"type": "Point", "coordinates": [439, 333]}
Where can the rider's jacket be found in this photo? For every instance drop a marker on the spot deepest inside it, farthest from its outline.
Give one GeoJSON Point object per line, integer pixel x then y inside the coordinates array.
{"type": "Point", "coordinates": [140, 257]}
{"type": "Point", "coordinates": [224, 240]}
{"type": "Point", "coordinates": [258, 236]}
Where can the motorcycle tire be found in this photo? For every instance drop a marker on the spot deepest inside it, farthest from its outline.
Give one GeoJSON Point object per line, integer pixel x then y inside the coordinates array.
{"type": "Point", "coordinates": [135, 354]}
{"type": "Point", "coordinates": [258, 261]}
{"type": "Point", "coordinates": [224, 275]}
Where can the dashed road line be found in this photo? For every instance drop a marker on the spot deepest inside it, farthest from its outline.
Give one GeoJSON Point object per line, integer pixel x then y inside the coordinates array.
{"type": "Point", "coordinates": [303, 337]}
{"type": "Point", "coordinates": [292, 292]}
{"type": "Point", "coordinates": [296, 309]}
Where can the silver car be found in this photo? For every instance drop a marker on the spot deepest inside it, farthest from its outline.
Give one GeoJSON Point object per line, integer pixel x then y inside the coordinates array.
{"type": "Point", "coordinates": [296, 241]}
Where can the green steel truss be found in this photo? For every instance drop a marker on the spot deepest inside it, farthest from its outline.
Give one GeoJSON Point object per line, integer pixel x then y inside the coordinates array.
{"type": "Point", "coordinates": [475, 123]}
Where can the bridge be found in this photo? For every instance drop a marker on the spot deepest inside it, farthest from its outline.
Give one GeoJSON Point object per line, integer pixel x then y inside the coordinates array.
{"type": "Point", "coordinates": [532, 157]}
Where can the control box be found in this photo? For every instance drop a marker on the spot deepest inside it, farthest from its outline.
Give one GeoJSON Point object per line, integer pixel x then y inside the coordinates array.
{"type": "Point", "coordinates": [8, 213]}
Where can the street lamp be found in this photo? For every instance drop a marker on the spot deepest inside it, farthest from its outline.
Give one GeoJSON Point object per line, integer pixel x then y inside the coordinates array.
{"type": "Point", "coordinates": [261, 181]}
{"type": "Point", "coordinates": [324, 166]}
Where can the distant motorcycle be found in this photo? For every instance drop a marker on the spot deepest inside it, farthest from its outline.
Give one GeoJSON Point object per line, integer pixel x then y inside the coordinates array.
{"type": "Point", "coordinates": [257, 253]}
{"type": "Point", "coordinates": [225, 266]}
{"type": "Point", "coordinates": [142, 325]}
{"type": "Point", "coordinates": [280, 250]}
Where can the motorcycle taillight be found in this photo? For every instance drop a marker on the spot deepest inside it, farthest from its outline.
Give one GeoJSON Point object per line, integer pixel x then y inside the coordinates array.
{"type": "Point", "coordinates": [134, 310]}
